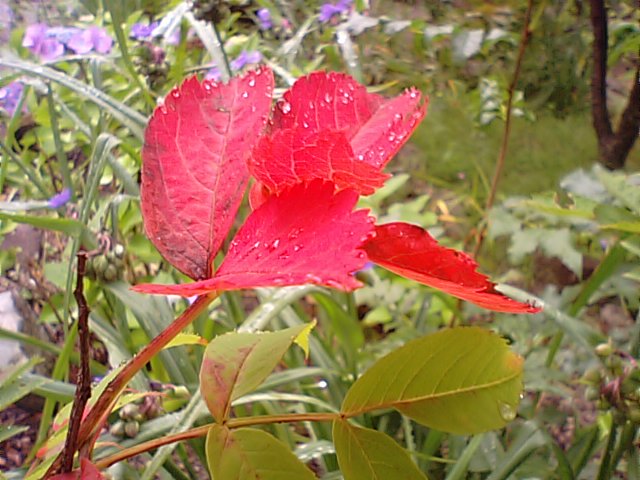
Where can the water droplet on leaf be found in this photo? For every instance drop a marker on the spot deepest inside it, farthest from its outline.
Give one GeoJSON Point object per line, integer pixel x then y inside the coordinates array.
{"type": "Point", "coordinates": [507, 412]}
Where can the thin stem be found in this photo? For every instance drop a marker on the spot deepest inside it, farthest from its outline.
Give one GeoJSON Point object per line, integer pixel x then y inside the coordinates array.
{"type": "Point", "coordinates": [605, 465]}
{"type": "Point", "coordinates": [83, 389]}
{"type": "Point", "coordinates": [203, 430]}
{"type": "Point", "coordinates": [90, 428]}
{"type": "Point", "coordinates": [502, 155]}
{"type": "Point", "coordinates": [61, 156]}
{"type": "Point", "coordinates": [625, 444]}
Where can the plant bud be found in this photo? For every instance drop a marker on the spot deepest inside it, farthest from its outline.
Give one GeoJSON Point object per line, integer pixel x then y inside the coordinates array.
{"type": "Point", "coordinates": [117, 429]}
{"type": "Point", "coordinates": [604, 349]}
{"type": "Point", "coordinates": [131, 428]}
{"type": "Point", "coordinates": [129, 411]}
{"type": "Point", "coordinates": [100, 264]}
{"type": "Point", "coordinates": [111, 273]}
{"type": "Point", "coordinates": [118, 250]}
{"type": "Point", "coordinates": [592, 376]}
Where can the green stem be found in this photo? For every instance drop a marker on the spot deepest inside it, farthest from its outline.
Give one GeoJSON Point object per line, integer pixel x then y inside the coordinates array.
{"type": "Point", "coordinates": [203, 430]}
{"type": "Point", "coordinates": [502, 155]}
{"type": "Point", "coordinates": [605, 465]}
{"type": "Point", "coordinates": [61, 157]}
{"type": "Point", "coordinates": [625, 444]}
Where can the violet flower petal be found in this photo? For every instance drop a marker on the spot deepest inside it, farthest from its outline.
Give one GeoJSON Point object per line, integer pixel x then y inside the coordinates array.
{"type": "Point", "coordinates": [264, 19]}
{"type": "Point", "coordinates": [59, 199]}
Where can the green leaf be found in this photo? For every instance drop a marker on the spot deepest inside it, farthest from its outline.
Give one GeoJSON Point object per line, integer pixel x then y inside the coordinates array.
{"type": "Point", "coordinates": [250, 454]}
{"type": "Point", "coordinates": [461, 380]}
{"type": "Point", "coordinates": [15, 385]}
{"type": "Point", "coordinates": [237, 363]}
{"type": "Point", "coordinates": [73, 228]}
{"type": "Point", "coordinates": [365, 454]}
{"type": "Point", "coordinates": [8, 431]}
{"type": "Point", "coordinates": [126, 115]}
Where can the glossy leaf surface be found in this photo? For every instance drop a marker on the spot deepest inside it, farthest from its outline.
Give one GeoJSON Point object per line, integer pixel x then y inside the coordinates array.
{"type": "Point", "coordinates": [462, 380]}
{"type": "Point", "coordinates": [375, 127]}
{"type": "Point", "coordinates": [365, 454]}
{"type": "Point", "coordinates": [309, 234]}
{"type": "Point", "coordinates": [287, 158]}
{"type": "Point", "coordinates": [412, 252]}
{"type": "Point", "coordinates": [235, 364]}
{"type": "Point", "coordinates": [194, 169]}
{"type": "Point", "coordinates": [250, 454]}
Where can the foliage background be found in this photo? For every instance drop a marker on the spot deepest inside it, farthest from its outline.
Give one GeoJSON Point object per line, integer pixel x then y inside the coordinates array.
{"type": "Point", "coordinates": [562, 229]}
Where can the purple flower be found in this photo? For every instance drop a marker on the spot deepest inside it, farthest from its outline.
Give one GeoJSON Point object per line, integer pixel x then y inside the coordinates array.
{"type": "Point", "coordinates": [246, 58]}
{"type": "Point", "coordinates": [328, 10]}
{"type": "Point", "coordinates": [213, 74]}
{"type": "Point", "coordinates": [37, 40]}
{"type": "Point", "coordinates": [60, 199]}
{"type": "Point", "coordinates": [264, 19]}
{"type": "Point", "coordinates": [140, 31]}
{"type": "Point", "coordinates": [9, 97]}
{"type": "Point", "coordinates": [92, 39]}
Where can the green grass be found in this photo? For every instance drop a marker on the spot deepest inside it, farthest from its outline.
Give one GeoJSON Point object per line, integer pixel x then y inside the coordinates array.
{"type": "Point", "coordinates": [448, 143]}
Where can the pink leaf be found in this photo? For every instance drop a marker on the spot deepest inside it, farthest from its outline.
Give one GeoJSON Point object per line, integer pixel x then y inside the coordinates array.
{"type": "Point", "coordinates": [410, 251]}
{"type": "Point", "coordinates": [308, 234]}
{"type": "Point", "coordinates": [376, 127]}
{"type": "Point", "coordinates": [194, 165]}
{"type": "Point", "coordinates": [287, 158]}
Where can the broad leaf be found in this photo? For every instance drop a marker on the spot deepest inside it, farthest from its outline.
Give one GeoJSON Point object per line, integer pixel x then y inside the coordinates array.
{"type": "Point", "coordinates": [250, 454]}
{"type": "Point", "coordinates": [287, 158]}
{"type": "Point", "coordinates": [194, 169]}
{"type": "Point", "coordinates": [462, 380]}
{"type": "Point", "coordinates": [365, 454]}
{"type": "Point", "coordinates": [375, 127]}
{"type": "Point", "coordinates": [309, 234]}
{"type": "Point", "coordinates": [412, 252]}
{"type": "Point", "coordinates": [235, 364]}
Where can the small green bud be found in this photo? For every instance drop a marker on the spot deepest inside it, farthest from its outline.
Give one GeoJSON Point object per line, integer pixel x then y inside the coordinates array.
{"type": "Point", "coordinates": [111, 273]}
{"type": "Point", "coordinates": [100, 264]}
{"type": "Point", "coordinates": [129, 411]}
{"type": "Point", "coordinates": [604, 349]}
{"type": "Point", "coordinates": [117, 429]}
{"type": "Point", "coordinates": [592, 376]}
{"type": "Point", "coordinates": [131, 428]}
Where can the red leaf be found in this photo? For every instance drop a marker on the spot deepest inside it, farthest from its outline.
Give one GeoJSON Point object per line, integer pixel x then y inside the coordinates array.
{"type": "Point", "coordinates": [375, 127]}
{"type": "Point", "coordinates": [194, 165]}
{"type": "Point", "coordinates": [287, 158]}
{"type": "Point", "coordinates": [410, 251]}
{"type": "Point", "coordinates": [308, 234]}
{"type": "Point", "coordinates": [87, 471]}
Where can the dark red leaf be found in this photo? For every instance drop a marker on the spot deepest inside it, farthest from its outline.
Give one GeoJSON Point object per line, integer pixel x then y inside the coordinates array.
{"type": "Point", "coordinates": [375, 127]}
{"type": "Point", "coordinates": [194, 169]}
{"type": "Point", "coordinates": [287, 158]}
{"type": "Point", "coordinates": [410, 251]}
{"type": "Point", "coordinates": [308, 234]}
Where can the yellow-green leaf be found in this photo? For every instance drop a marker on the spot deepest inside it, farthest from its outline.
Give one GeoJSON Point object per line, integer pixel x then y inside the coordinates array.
{"type": "Point", "coordinates": [462, 380]}
{"type": "Point", "coordinates": [365, 454]}
{"type": "Point", "coordinates": [250, 454]}
{"type": "Point", "coordinates": [235, 364]}
{"type": "Point", "coordinates": [186, 339]}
